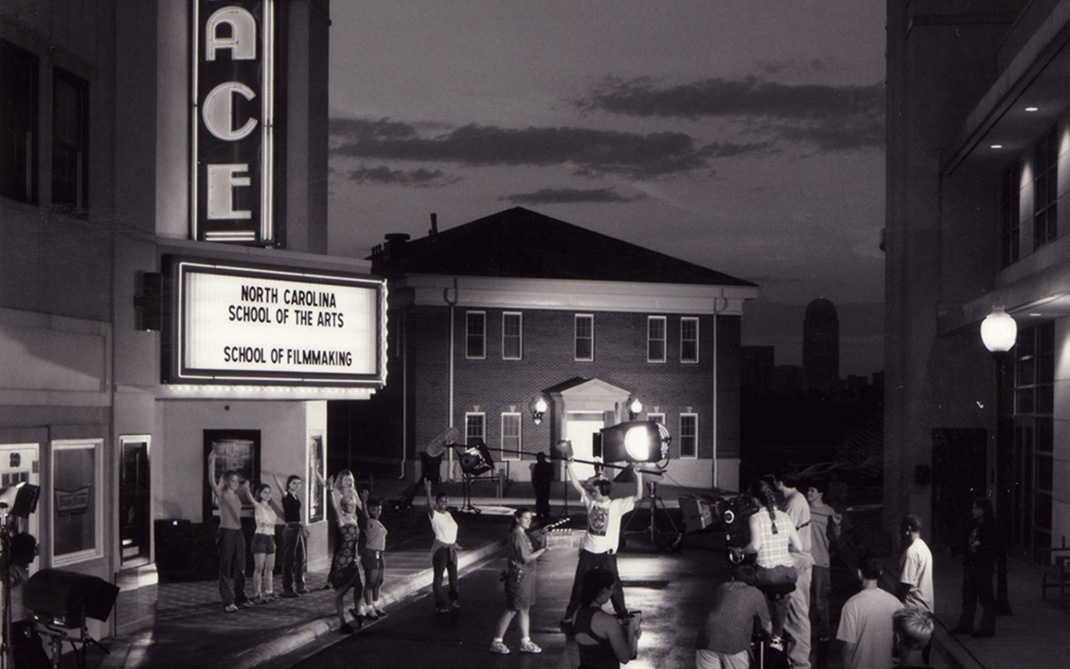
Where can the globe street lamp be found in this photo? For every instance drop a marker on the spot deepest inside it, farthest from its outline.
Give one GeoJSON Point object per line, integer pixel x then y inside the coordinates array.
{"type": "Point", "coordinates": [999, 332]}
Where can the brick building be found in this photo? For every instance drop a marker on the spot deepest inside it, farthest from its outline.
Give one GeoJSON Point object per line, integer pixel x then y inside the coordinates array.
{"type": "Point", "coordinates": [489, 317]}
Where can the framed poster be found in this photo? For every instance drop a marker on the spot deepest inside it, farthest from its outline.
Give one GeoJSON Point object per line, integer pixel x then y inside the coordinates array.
{"type": "Point", "coordinates": [237, 450]}
{"type": "Point", "coordinates": [77, 529]}
{"type": "Point", "coordinates": [317, 497]}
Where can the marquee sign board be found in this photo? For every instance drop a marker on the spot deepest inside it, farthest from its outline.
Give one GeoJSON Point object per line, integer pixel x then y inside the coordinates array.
{"type": "Point", "coordinates": [233, 122]}
{"type": "Point", "coordinates": [250, 325]}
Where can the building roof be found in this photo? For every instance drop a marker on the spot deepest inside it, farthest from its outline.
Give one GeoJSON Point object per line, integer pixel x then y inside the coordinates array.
{"type": "Point", "coordinates": [520, 243]}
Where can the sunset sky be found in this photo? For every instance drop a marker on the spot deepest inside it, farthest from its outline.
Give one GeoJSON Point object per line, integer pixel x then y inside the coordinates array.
{"type": "Point", "coordinates": [746, 137]}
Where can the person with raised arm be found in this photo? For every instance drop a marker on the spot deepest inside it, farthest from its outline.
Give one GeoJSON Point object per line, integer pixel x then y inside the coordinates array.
{"type": "Point", "coordinates": [600, 542]}
{"type": "Point", "coordinates": [294, 538]}
{"type": "Point", "coordinates": [230, 542]}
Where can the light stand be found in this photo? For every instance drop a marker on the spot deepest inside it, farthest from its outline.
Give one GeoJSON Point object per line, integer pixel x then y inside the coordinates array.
{"type": "Point", "coordinates": [466, 486]}
{"type": "Point", "coordinates": [655, 501]}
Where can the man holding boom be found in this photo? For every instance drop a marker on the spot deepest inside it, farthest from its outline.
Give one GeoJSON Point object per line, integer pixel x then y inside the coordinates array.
{"type": "Point", "coordinates": [599, 548]}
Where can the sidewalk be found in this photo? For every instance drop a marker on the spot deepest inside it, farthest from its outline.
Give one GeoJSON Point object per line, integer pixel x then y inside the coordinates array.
{"type": "Point", "coordinates": [1033, 636]}
{"type": "Point", "coordinates": [192, 630]}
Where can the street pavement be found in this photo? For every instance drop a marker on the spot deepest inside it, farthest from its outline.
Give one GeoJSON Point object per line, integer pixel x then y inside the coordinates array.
{"type": "Point", "coordinates": [192, 630]}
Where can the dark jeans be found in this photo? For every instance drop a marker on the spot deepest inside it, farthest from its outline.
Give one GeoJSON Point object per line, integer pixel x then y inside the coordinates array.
{"type": "Point", "coordinates": [542, 501]}
{"type": "Point", "coordinates": [231, 546]}
{"type": "Point", "coordinates": [820, 590]}
{"type": "Point", "coordinates": [444, 559]}
{"type": "Point", "coordinates": [294, 558]}
{"type": "Point", "coordinates": [587, 562]}
{"type": "Point", "coordinates": [977, 586]}
{"type": "Point", "coordinates": [773, 581]}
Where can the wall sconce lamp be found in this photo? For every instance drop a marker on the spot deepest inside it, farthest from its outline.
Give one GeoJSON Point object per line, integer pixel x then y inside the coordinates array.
{"type": "Point", "coordinates": [635, 407]}
{"type": "Point", "coordinates": [538, 410]}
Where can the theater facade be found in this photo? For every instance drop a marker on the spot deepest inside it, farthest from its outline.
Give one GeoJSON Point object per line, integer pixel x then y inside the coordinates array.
{"type": "Point", "coordinates": [165, 285]}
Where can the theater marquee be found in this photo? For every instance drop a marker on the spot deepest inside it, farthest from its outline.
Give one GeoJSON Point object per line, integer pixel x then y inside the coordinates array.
{"type": "Point", "coordinates": [251, 325]}
{"type": "Point", "coordinates": [233, 122]}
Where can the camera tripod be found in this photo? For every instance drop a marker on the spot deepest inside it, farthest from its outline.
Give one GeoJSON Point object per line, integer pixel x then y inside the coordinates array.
{"type": "Point", "coordinates": [655, 502]}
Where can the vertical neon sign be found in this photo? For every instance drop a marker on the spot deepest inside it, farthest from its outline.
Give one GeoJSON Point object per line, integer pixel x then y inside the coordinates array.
{"type": "Point", "coordinates": [233, 122]}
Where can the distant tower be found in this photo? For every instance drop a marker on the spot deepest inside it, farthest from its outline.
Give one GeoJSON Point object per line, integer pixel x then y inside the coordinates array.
{"type": "Point", "coordinates": [821, 346]}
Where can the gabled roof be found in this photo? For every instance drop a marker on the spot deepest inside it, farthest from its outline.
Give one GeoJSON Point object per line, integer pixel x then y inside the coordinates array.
{"type": "Point", "coordinates": [520, 243]}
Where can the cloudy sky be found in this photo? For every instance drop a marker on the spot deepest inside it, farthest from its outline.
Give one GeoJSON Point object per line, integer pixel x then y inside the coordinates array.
{"type": "Point", "coordinates": [744, 136]}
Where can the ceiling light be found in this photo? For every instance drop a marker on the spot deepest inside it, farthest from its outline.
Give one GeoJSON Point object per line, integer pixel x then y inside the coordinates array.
{"type": "Point", "coordinates": [1032, 109]}
{"type": "Point", "coordinates": [997, 146]}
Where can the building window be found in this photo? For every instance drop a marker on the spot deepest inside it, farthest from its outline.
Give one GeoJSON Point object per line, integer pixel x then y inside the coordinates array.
{"type": "Point", "coordinates": [688, 339]}
{"type": "Point", "coordinates": [1046, 191]}
{"type": "Point", "coordinates": [77, 505]}
{"type": "Point", "coordinates": [70, 143]}
{"type": "Point", "coordinates": [475, 335]}
{"type": "Point", "coordinates": [1030, 474]}
{"type": "Point", "coordinates": [18, 124]}
{"type": "Point", "coordinates": [510, 436]}
{"type": "Point", "coordinates": [658, 418]}
{"type": "Point", "coordinates": [655, 339]}
{"type": "Point", "coordinates": [688, 435]}
{"type": "Point", "coordinates": [1010, 202]}
{"type": "Point", "coordinates": [475, 428]}
{"type": "Point", "coordinates": [512, 335]}
{"type": "Point", "coordinates": [584, 337]}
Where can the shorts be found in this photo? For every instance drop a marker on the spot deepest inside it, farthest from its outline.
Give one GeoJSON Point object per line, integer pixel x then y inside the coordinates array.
{"type": "Point", "coordinates": [262, 543]}
{"type": "Point", "coordinates": [372, 561]}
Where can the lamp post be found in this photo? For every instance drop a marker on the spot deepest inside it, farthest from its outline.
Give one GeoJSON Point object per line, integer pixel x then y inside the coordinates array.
{"type": "Point", "coordinates": [999, 332]}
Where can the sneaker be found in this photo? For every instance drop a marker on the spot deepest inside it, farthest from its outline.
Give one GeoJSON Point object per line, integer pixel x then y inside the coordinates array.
{"type": "Point", "coordinates": [370, 614]}
{"type": "Point", "coordinates": [230, 608]}
{"type": "Point", "coordinates": [442, 610]}
{"type": "Point", "coordinates": [303, 591]}
{"type": "Point", "coordinates": [380, 612]}
{"type": "Point", "coordinates": [566, 626]}
{"type": "Point", "coordinates": [455, 604]}
{"type": "Point", "coordinates": [288, 594]}
{"type": "Point", "coordinates": [527, 646]}
{"type": "Point", "coordinates": [776, 643]}
{"type": "Point", "coordinates": [499, 647]}
{"type": "Point", "coordinates": [270, 597]}
{"type": "Point", "coordinates": [248, 604]}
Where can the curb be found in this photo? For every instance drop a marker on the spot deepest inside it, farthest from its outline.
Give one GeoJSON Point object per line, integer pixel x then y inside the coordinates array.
{"type": "Point", "coordinates": [296, 637]}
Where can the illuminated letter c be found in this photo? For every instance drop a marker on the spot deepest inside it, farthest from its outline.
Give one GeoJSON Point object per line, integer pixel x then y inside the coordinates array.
{"type": "Point", "coordinates": [218, 111]}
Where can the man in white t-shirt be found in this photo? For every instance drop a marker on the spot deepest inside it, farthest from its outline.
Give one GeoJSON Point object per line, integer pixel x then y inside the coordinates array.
{"type": "Point", "coordinates": [600, 543]}
{"type": "Point", "coordinates": [866, 627]}
{"type": "Point", "coordinates": [916, 571]}
{"type": "Point", "coordinates": [915, 567]}
{"type": "Point", "coordinates": [798, 621]}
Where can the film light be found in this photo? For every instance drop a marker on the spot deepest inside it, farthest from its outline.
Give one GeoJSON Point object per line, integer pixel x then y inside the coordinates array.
{"type": "Point", "coordinates": [635, 441]}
